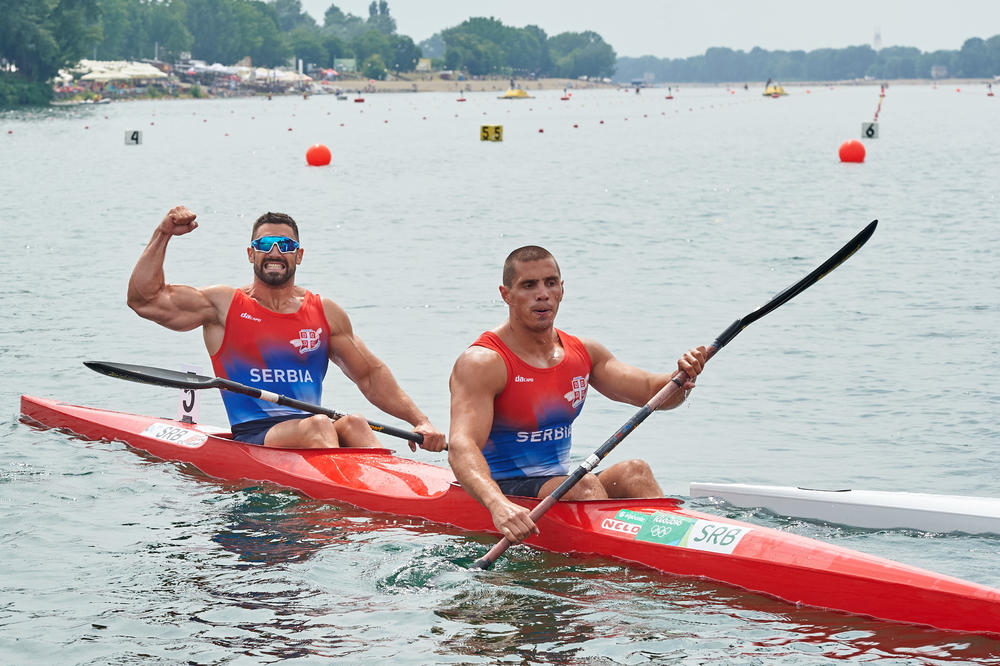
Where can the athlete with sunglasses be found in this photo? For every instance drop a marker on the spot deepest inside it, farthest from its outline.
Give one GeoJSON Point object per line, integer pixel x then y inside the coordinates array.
{"type": "Point", "coordinates": [274, 335]}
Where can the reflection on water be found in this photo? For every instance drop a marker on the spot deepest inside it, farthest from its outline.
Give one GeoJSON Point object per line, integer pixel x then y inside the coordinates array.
{"type": "Point", "coordinates": [304, 574]}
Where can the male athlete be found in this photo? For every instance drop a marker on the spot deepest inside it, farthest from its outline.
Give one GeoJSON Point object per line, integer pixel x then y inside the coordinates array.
{"type": "Point", "coordinates": [516, 391]}
{"type": "Point", "coordinates": [275, 335]}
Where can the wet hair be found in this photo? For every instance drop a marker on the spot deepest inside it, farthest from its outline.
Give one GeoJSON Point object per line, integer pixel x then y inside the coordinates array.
{"type": "Point", "coordinates": [526, 253]}
{"type": "Point", "coordinates": [275, 218]}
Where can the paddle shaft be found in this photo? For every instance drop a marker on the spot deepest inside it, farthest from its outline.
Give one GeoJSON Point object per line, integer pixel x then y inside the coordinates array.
{"type": "Point", "coordinates": [661, 396]}
{"type": "Point", "coordinates": [676, 383]}
{"type": "Point", "coordinates": [285, 401]}
{"type": "Point", "coordinates": [191, 381]}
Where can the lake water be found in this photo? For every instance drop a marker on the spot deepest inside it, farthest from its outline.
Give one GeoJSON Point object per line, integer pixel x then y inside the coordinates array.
{"type": "Point", "coordinates": [670, 219]}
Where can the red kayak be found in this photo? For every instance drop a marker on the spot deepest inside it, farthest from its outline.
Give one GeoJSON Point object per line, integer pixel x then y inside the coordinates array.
{"type": "Point", "coordinates": [658, 533]}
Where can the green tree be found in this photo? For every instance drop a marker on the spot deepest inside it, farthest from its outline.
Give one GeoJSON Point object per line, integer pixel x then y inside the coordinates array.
{"type": "Point", "coordinates": [405, 53]}
{"type": "Point", "coordinates": [993, 47]}
{"type": "Point", "coordinates": [215, 29]}
{"type": "Point", "coordinates": [433, 46]}
{"type": "Point", "coordinates": [262, 38]}
{"type": "Point", "coordinates": [973, 59]}
{"type": "Point", "coordinates": [578, 54]}
{"type": "Point", "coordinates": [335, 48]}
{"type": "Point", "coordinates": [373, 67]}
{"type": "Point", "coordinates": [379, 18]}
{"type": "Point", "coordinates": [167, 28]}
{"type": "Point", "coordinates": [474, 54]}
{"type": "Point", "coordinates": [371, 43]}
{"type": "Point", "coordinates": [344, 26]}
{"type": "Point", "coordinates": [722, 64]}
{"type": "Point", "coordinates": [538, 60]}
{"type": "Point", "coordinates": [291, 16]}
{"type": "Point", "coordinates": [40, 37]}
{"type": "Point", "coordinates": [307, 45]}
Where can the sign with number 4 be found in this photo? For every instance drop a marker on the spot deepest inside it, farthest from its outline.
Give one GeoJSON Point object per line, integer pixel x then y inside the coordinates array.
{"type": "Point", "coordinates": [133, 137]}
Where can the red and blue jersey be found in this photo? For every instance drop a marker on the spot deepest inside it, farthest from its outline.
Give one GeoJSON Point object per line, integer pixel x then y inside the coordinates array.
{"type": "Point", "coordinates": [274, 351]}
{"type": "Point", "coordinates": [533, 415]}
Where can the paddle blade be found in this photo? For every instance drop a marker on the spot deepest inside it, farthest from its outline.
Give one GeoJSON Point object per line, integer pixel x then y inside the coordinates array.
{"type": "Point", "coordinates": [839, 257]}
{"type": "Point", "coordinates": [155, 376]}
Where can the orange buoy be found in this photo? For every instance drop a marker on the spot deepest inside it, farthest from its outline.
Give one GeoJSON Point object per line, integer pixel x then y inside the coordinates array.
{"type": "Point", "coordinates": [852, 151]}
{"type": "Point", "coordinates": [318, 155]}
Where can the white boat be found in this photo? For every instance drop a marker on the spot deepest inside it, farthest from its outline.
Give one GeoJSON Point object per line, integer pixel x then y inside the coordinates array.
{"type": "Point", "coordinates": [865, 508]}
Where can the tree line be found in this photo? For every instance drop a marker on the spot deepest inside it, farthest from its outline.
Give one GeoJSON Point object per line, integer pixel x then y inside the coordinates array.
{"type": "Point", "coordinates": [40, 37]}
{"type": "Point", "coordinates": [978, 58]}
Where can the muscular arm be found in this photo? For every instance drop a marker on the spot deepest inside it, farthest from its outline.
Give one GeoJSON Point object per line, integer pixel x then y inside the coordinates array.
{"type": "Point", "coordinates": [625, 383]}
{"type": "Point", "coordinates": [373, 378]}
{"type": "Point", "coordinates": [178, 307]}
{"type": "Point", "coordinates": [478, 376]}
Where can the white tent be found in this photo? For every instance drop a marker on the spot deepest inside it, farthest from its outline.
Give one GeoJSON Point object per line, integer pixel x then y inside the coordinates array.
{"type": "Point", "coordinates": [117, 70]}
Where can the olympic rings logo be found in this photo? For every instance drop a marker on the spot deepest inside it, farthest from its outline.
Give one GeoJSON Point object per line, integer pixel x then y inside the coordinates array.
{"type": "Point", "coordinates": [659, 531]}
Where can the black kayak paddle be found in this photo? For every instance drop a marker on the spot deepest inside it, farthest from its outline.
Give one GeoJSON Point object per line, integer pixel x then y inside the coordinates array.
{"type": "Point", "coordinates": [189, 380]}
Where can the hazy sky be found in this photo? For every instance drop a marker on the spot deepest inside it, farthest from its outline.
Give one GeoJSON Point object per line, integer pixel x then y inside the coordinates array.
{"type": "Point", "coordinates": [671, 29]}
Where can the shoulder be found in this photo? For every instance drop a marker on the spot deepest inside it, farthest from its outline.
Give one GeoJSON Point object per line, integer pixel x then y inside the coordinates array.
{"type": "Point", "coordinates": [220, 296]}
{"type": "Point", "coordinates": [482, 368]}
{"type": "Point", "coordinates": [336, 316]}
{"type": "Point", "coordinates": [598, 353]}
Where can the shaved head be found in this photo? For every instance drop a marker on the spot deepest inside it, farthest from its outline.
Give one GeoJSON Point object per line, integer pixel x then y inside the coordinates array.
{"type": "Point", "coordinates": [526, 253]}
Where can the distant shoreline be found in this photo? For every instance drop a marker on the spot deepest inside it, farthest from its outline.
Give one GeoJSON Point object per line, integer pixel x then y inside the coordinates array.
{"type": "Point", "coordinates": [499, 85]}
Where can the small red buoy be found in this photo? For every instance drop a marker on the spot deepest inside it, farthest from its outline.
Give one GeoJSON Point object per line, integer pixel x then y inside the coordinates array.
{"type": "Point", "coordinates": [541, 131]}
{"type": "Point", "coordinates": [575, 125]}
{"type": "Point", "coordinates": [359, 99]}
{"type": "Point", "coordinates": [852, 151]}
{"type": "Point", "coordinates": [318, 155]}
{"type": "Point", "coordinates": [602, 122]}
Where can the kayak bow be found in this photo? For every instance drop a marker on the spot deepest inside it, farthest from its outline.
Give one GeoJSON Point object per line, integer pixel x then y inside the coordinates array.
{"type": "Point", "coordinates": [658, 533]}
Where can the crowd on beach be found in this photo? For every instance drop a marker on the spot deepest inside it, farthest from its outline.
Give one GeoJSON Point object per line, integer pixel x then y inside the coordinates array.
{"type": "Point", "coordinates": [198, 80]}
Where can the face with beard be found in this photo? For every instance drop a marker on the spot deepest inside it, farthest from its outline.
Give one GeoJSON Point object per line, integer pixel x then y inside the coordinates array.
{"type": "Point", "coordinates": [274, 267]}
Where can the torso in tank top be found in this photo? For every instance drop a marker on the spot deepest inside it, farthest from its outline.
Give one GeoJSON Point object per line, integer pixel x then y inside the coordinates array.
{"type": "Point", "coordinates": [283, 353]}
{"type": "Point", "coordinates": [533, 415]}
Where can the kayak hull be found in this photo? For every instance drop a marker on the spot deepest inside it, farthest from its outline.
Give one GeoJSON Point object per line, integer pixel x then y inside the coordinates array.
{"type": "Point", "coordinates": [658, 533]}
{"type": "Point", "coordinates": [865, 508]}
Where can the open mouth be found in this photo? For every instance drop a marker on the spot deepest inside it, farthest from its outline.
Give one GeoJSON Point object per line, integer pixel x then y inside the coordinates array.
{"type": "Point", "coordinates": [274, 265]}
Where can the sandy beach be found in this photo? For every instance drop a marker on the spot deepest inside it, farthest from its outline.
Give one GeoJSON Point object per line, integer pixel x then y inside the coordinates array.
{"type": "Point", "coordinates": [434, 83]}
